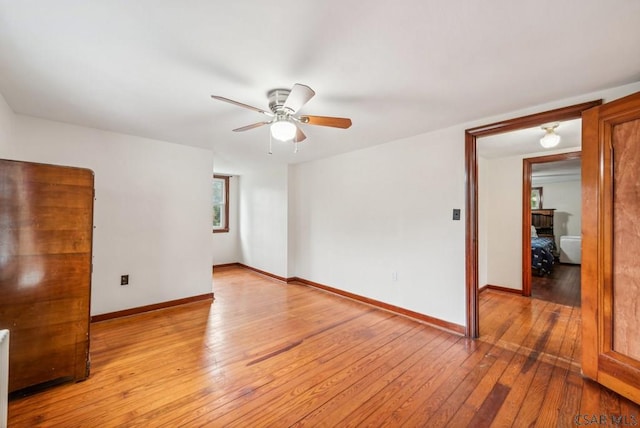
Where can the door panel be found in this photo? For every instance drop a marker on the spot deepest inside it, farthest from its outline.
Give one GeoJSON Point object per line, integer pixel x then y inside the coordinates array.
{"type": "Point", "coordinates": [611, 245]}
{"type": "Point", "coordinates": [626, 238]}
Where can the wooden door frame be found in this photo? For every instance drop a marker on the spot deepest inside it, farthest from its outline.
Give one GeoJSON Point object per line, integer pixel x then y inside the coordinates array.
{"type": "Point", "coordinates": [472, 328]}
{"type": "Point", "coordinates": [527, 166]}
{"type": "Point", "coordinates": [601, 361]}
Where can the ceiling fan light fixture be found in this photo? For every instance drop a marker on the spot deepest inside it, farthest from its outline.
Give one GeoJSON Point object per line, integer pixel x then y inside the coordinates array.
{"type": "Point", "coordinates": [283, 130]}
{"type": "Point", "coordinates": [550, 138]}
{"type": "Point", "coordinates": [284, 118]}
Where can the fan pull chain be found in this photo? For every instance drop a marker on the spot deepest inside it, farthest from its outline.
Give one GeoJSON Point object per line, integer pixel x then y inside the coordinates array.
{"type": "Point", "coordinates": [270, 144]}
{"type": "Point", "coordinates": [295, 146]}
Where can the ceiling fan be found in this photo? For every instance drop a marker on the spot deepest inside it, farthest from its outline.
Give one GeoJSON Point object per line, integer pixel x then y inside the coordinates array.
{"type": "Point", "coordinates": [284, 104]}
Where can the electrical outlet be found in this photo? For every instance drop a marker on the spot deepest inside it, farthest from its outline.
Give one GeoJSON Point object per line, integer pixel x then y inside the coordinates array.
{"type": "Point", "coordinates": [394, 276]}
{"type": "Point", "coordinates": [456, 214]}
{"type": "Point", "coordinates": [124, 279]}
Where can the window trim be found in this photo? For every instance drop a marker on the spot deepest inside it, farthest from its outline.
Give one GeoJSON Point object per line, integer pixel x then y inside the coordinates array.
{"type": "Point", "coordinates": [225, 225]}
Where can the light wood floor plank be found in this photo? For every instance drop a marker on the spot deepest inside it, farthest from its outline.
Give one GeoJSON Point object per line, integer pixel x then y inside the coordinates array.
{"type": "Point", "coordinates": [241, 411]}
{"type": "Point", "coordinates": [265, 353]}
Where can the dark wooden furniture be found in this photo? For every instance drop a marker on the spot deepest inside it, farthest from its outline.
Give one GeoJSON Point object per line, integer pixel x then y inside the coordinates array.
{"type": "Point", "coordinates": [46, 224]}
{"type": "Point", "coordinates": [542, 220]}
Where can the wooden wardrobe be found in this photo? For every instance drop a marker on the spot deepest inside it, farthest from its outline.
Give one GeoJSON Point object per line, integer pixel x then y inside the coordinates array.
{"type": "Point", "coordinates": [46, 225]}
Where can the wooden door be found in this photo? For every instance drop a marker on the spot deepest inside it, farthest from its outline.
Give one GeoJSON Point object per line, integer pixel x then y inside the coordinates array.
{"type": "Point", "coordinates": [611, 245]}
{"type": "Point", "coordinates": [46, 225]}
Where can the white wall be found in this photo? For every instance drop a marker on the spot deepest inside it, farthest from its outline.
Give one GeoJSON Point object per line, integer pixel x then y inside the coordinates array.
{"type": "Point", "coordinates": [504, 222]}
{"type": "Point", "coordinates": [152, 211]}
{"type": "Point", "coordinates": [502, 197]}
{"type": "Point", "coordinates": [226, 245]}
{"type": "Point", "coordinates": [364, 215]}
{"type": "Point", "coordinates": [504, 202]}
{"type": "Point", "coordinates": [6, 125]}
{"type": "Point", "coordinates": [566, 198]}
{"type": "Point", "coordinates": [263, 214]}
{"type": "Point", "coordinates": [483, 239]}
{"type": "Point", "coordinates": [357, 217]}
{"type": "Point", "coordinates": [292, 222]}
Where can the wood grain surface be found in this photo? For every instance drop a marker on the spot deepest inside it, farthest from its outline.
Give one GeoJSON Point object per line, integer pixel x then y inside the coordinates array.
{"type": "Point", "coordinates": [265, 353]}
{"type": "Point", "coordinates": [46, 226]}
{"type": "Point", "coordinates": [626, 238]}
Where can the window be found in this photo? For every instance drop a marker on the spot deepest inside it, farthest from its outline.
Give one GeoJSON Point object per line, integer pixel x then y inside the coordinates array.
{"type": "Point", "coordinates": [220, 203]}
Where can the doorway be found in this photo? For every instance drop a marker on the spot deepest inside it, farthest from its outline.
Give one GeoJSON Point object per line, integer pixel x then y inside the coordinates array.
{"type": "Point", "coordinates": [471, 168]}
{"type": "Point", "coordinates": [552, 212]}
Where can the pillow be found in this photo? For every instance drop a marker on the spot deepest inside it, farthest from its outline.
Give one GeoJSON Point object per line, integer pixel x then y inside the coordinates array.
{"type": "Point", "coordinates": [534, 233]}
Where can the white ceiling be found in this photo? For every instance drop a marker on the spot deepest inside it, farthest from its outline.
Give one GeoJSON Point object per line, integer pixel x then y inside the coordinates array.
{"type": "Point", "coordinates": [553, 172]}
{"type": "Point", "coordinates": [526, 141]}
{"type": "Point", "coordinates": [397, 69]}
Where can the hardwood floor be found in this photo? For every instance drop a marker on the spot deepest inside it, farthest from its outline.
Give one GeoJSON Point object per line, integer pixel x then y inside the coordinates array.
{"type": "Point", "coordinates": [271, 354]}
{"type": "Point", "coordinates": [561, 286]}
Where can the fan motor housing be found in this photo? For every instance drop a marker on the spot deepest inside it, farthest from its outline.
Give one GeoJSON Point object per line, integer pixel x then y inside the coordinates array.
{"type": "Point", "coordinates": [277, 98]}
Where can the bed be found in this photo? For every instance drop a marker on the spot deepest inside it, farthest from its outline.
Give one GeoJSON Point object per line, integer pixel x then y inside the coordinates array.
{"type": "Point", "coordinates": [542, 249]}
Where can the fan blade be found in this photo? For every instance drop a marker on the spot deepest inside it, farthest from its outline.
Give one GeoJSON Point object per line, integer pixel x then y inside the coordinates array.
{"type": "Point", "coordinates": [335, 122]}
{"type": "Point", "coordinates": [248, 127]}
{"type": "Point", "coordinates": [227, 100]}
{"type": "Point", "coordinates": [299, 96]}
{"type": "Point", "coordinates": [299, 135]}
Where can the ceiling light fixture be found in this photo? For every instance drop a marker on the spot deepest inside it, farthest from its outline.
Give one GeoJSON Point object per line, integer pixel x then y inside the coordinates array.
{"type": "Point", "coordinates": [550, 138]}
{"type": "Point", "coordinates": [283, 130]}
{"type": "Point", "coordinates": [284, 118]}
